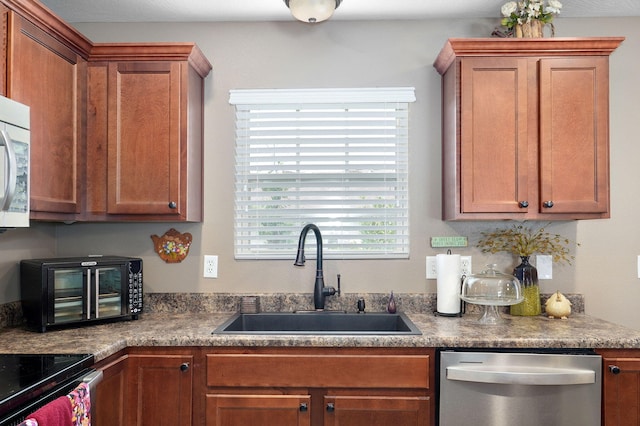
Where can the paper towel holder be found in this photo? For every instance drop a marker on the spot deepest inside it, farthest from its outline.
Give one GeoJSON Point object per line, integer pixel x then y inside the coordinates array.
{"type": "Point", "coordinates": [462, 306]}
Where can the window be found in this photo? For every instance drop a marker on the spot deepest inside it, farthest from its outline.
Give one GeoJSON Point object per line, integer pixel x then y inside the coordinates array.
{"type": "Point", "coordinates": [334, 157]}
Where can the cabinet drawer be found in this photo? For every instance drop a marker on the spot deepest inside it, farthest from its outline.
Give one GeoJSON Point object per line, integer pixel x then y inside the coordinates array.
{"type": "Point", "coordinates": [307, 370]}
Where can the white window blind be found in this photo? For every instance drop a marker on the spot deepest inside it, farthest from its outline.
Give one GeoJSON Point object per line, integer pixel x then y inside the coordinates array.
{"type": "Point", "coordinates": [333, 157]}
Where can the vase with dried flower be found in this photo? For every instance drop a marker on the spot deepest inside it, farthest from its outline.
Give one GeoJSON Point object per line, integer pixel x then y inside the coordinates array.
{"type": "Point", "coordinates": [527, 18]}
{"type": "Point", "coordinates": [523, 242]}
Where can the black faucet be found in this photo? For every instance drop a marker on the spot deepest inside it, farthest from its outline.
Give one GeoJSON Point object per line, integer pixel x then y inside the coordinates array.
{"type": "Point", "coordinates": [319, 289]}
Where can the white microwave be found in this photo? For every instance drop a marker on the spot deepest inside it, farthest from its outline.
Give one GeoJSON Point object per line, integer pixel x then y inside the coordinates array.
{"type": "Point", "coordinates": [14, 164]}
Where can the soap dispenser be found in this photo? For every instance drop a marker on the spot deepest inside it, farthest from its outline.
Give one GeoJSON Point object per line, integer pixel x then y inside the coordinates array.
{"type": "Point", "coordinates": [391, 306]}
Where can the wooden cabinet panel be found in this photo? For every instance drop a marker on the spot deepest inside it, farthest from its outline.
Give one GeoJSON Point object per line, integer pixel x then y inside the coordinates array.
{"type": "Point", "coordinates": [621, 389]}
{"type": "Point", "coordinates": [4, 47]}
{"type": "Point", "coordinates": [108, 408]}
{"type": "Point", "coordinates": [376, 411]}
{"type": "Point", "coordinates": [242, 410]}
{"type": "Point", "coordinates": [494, 135]}
{"type": "Point", "coordinates": [51, 78]}
{"type": "Point", "coordinates": [358, 371]}
{"type": "Point", "coordinates": [144, 138]}
{"type": "Point", "coordinates": [525, 128]}
{"type": "Point", "coordinates": [574, 133]}
{"type": "Point", "coordinates": [159, 390]}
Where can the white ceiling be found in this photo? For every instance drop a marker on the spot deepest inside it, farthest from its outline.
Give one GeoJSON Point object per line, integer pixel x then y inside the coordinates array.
{"type": "Point", "coordinates": [276, 10]}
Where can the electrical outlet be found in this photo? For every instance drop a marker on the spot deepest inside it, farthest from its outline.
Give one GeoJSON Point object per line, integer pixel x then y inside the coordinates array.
{"type": "Point", "coordinates": [432, 267]}
{"type": "Point", "coordinates": [210, 266]}
{"type": "Point", "coordinates": [432, 272]}
{"type": "Point", "coordinates": [465, 265]}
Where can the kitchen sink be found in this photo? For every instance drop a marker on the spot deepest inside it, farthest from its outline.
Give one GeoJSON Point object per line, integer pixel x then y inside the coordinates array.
{"type": "Point", "coordinates": [319, 322]}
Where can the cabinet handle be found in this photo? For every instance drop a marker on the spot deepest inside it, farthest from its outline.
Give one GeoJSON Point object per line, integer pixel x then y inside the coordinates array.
{"type": "Point", "coordinates": [331, 407]}
{"type": "Point", "coordinates": [548, 204]}
{"type": "Point", "coordinates": [614, 369]}
{"type": "Point", "coordinates": [524, 204]}
{"type": "Point", "coordinates": [303, 406]}
{"type": "Point", "coordinates": [172, 204]}
{"type": "Point", "coordinates": [184, 366]}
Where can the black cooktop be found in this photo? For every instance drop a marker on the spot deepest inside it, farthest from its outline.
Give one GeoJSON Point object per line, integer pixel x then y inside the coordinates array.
{"type": "Point", "coordinates": [25, 377]}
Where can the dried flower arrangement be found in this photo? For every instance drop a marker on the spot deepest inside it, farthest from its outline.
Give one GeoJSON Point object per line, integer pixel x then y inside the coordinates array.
{"type": "Point", "coordinates": [525, 241]}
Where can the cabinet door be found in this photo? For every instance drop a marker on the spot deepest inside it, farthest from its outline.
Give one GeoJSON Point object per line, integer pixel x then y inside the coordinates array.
{"type": "Point", "coordinates": [243, 410]}
{"type": "Point", "coordinates": [145, 155]}
{"type": "Point", "coordinates": [159, 390]}
{"type": "Point", "coordinates": [493, 135]}
{"type": "Point", "coordinates": [109, 398]}
{"type": "Point", "coordinates": [376, 411]}
{"type": "Point", "coordinates": [51, 79]}
{"type": "Point", "coordinates": [574, 135]}
{"type": "Point", "coordinates": [621, 392]}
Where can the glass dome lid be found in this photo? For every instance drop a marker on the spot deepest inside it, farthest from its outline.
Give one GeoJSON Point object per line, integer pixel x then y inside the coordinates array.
{"type": "Point", "coordinates": [491, 287]}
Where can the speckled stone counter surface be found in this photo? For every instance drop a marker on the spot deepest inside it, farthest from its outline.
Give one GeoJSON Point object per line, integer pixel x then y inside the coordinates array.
{"type": "Point", "coordinates": [194, 329]}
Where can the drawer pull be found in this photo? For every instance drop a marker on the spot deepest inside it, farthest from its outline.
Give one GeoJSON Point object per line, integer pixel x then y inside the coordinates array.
{"type": "Point", "coordinates": [303, 406]}
{"type": "Point", "coordinates": [331, 407]}
{"type": "Point", "coordinates": [184, 366]}
{"type": "Point", "coordinates": [614, 369]}
{"type": "Point", "coordinates": [524, 204]}
{"type": "Point", "coordinates": [548, 204]}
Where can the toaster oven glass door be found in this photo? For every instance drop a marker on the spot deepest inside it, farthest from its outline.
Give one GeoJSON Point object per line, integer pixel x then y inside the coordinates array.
{"type": "Point", "coordinates": [108, 287]}
{"type": "Point", "coordinates": [69, 295]}
{"type": "Point", "coordinates": [88, 293]}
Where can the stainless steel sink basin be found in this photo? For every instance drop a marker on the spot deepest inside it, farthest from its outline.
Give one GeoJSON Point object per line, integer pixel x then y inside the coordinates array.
{"type": "Point", "coordinates": [320, 322]}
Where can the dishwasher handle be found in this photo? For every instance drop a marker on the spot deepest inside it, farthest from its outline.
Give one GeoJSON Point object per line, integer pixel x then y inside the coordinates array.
{"type": "Point", "coordinates": [516, 375]}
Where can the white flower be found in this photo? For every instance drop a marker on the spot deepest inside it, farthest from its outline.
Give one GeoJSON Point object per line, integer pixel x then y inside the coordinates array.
{"type": "Point", "coordinates": [553, 7]}
{"type": "Point", "coordinates": [509, 8]}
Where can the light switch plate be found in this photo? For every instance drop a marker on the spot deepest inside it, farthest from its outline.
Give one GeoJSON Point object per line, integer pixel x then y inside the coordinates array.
{"type": "Point", "coordinates": [544, 265]}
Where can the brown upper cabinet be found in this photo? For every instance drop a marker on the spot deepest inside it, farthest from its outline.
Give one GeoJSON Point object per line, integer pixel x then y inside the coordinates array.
{"type": "Point", "coordinates": [145, 132]}
{"type": "Point", "coordinates": [45, 68]}
{"type": "Point", "coordinates": [525, 128]}
{"type": "Point", "coordinates": [116, 129]}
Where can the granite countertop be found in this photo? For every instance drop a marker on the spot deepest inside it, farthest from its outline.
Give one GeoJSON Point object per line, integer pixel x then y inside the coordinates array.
{"type": "Point", "coordinates": [194, 329]}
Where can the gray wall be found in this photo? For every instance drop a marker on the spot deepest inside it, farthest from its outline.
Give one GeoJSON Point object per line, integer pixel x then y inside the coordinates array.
{"type": "Point", "coordinates": [362, 54]}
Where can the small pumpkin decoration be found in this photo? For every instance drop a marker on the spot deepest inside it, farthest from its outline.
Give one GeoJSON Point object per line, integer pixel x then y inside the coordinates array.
{"type": "Point", "coordinates": [558, 306]}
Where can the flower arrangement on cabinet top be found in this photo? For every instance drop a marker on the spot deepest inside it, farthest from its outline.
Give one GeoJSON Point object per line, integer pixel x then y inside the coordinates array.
{"type": "Point", "coordinates": [526, 18]}
{"type": "Point", "coordinates": [524, 241]}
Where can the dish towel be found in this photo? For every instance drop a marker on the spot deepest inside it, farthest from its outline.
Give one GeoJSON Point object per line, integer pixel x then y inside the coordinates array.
{"type": "Point", "coordinates": [55, 413]}
{"type": "Point", "coordinates": [71, 410]}
{"type": "Point", "coordinates": [80, 406]}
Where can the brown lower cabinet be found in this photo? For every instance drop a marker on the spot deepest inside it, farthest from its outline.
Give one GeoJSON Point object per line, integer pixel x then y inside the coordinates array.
{"type": "Point", "coordinates": [267, 386]}
{"type": "Point", "coordinates": [621, 387]}
{"type": "Point", "coordinates": [319, 386]}
{"type": "Point", "coordinates": [303, 386]}
{"type": "Point", "coordinates": [154, 387]}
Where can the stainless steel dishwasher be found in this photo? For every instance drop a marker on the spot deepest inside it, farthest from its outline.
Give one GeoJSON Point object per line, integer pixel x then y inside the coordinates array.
{"type": "Point", "coordinates": [525, 389]}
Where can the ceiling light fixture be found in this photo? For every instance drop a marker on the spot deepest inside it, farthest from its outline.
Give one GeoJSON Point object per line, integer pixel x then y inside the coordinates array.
{"type": "Point", "coordinates": [312, 11]}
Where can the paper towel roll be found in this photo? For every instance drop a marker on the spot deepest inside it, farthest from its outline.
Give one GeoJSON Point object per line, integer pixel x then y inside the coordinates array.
{"type": "Point", "coordinates": [448, 284]}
